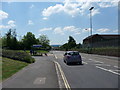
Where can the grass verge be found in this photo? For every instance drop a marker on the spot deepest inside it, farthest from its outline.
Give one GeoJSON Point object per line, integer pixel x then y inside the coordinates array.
{"type": "Point", "coordinates": [10, 67]}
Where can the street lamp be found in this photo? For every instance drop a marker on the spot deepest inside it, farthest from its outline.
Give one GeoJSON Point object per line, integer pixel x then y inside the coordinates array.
{"type": "Point", "coordinates": [91, 25]}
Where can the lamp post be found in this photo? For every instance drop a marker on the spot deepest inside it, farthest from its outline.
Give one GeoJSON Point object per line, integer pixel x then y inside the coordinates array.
{"type": "Point", "coordinates": [91, 26]}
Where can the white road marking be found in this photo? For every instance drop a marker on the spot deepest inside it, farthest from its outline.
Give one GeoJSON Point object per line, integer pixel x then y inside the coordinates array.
{"type": "Point", "coordinates": [83, 57]}
{"type": "Point", "coordinates": [55, 56]}
{"type": "Point", "coordinates": [99, 61]}
{"type": "Point", "coordinates": [95, 61]}
{"type": "Point", "coordinates": [39, 80]}
{"type": "Point", "coordinates": [63, 76]}
{"type": "Point", "coordinates": [116, 66]}
{"type": "Point", "coordinates": [84, 62]}
{"type": "Point", "coordinates": [102, 64]}
{"type": "Point", "coordinates": [107, 70]}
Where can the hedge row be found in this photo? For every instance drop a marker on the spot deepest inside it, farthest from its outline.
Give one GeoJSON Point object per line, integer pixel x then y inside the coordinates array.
{"type": "Point", "coordinates": [108, 51]}
{"type": "Point", "coordinates": [17, 55]}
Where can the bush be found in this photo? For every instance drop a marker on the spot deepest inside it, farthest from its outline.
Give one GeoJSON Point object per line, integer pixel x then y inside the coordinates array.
{"type": "Point", "coordinates": [109, 51]}
{"type": "Point", "coordinates": [16, 55]}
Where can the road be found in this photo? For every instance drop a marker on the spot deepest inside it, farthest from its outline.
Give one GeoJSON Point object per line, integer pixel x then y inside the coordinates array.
{"type": "Point", "coordinates": [51, 72]}
{"type": "Point", "coordinates": [96, 72]}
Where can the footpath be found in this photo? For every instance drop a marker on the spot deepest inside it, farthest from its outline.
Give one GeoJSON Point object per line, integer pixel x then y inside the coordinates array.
{"type": "Point", "coordinates": [41, 74]}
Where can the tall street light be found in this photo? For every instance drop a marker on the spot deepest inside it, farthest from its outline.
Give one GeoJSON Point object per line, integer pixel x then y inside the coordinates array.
{"type": "Point", "coordinates": [91, 26]}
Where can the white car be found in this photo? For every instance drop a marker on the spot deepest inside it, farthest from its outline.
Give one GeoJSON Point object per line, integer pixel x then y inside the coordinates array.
{"type": "Point", "coordinates": [72, 57]}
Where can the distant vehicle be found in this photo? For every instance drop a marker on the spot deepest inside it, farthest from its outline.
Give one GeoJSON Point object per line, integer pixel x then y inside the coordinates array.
{"type": "Point", "coordinates": [72, 57]}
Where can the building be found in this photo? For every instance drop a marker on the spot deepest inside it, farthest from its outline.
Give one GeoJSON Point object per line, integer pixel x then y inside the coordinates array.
{"type": "Point", "coordinates": [98, 40]}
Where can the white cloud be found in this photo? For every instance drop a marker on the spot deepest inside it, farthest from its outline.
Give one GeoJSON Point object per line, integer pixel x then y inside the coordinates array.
{"type": "Point", "coordinates": [30, 22]}
{"type": "Point", "coordinates": [69, 28]}
{"type": "Point", "coordinates": [115, 31]}
{"type": "Point", "coordinates": [95, 11]}
{"type": "Point", "coordinates": [78, 8]}
{"type": "Point", "coordinates": [52, 10]}
{"type": "Point", "coordinates": [45, 29]}
{"type": "Point", "coordinates": [10, 24]}
{"type": "Point", "coordinates": [73, 29]}
{"type": "Point", "coordinates": [4, 27]}
{"type": "Point", "coordinates": [45, 18]}
{"type": "Point", "coordinates": [108, 3]}
{"type": "Point", "coordinates": [32, 6]}
{"type": "Point", "coordinates": [58, 30]}
{"type": "Point", "coordinates": [102, 30]}
{"type": "Point", "coordinates": [3, 15]}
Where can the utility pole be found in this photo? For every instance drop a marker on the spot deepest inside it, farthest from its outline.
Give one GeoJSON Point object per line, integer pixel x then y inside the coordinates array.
{"type": "Point", "coordinates": [91, 28]}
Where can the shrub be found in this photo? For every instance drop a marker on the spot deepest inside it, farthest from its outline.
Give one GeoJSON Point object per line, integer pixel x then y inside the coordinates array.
{"type": "Point", "coordinates": [109, 51]}
{"type": "Point", "coordinates": [16, 55]}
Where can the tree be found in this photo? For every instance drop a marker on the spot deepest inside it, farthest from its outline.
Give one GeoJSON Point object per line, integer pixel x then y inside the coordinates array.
{"type": "Point", "coordinates": [14, 40]}
{"type": "Point", "coordinates": [28, 40]}
{"type": "Point", "coordinates": [10, 40]}
{"type": "Point", "coordinates": [44, 41]}
{"type": "Point", "coordinates": [71, 42]}
{"type": "Point", "coordinates": [64, 46]}
{"type": "Point", "coordinates": [79, 45]}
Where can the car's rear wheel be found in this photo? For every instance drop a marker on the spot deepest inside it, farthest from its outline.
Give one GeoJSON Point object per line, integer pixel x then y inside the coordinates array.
{"type": "Point", "coordinates": [80, 62]}
{"type": "Point", "coordinates": [64, 61]}
{"type": "Point", "coordinates": [67, 63]}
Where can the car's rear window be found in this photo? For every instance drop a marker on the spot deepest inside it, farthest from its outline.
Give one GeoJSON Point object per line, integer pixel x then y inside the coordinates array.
{"type": "Point", "coordinates": [73, 53]}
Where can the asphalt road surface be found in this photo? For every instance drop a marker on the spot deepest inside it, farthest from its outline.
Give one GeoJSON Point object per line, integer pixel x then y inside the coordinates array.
{"type": "Point", "coordinates": [51, 72]}
{"type": "Point", "coordinates": [96, 72]}
{"type": "Point", "coordinates": [41, 74]}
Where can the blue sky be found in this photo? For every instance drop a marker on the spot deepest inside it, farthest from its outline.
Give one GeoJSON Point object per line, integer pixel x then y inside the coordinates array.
{"type": "Point", "coordinates": [59, 20]}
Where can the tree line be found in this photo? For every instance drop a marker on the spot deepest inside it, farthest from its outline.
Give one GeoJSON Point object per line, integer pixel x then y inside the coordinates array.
{"type": "Point", "coordinates": [10, 41]}
{"type": "Point", "coordinates": [71, 44]}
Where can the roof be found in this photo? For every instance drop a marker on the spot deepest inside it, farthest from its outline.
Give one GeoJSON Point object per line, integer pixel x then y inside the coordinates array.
{"type": "Point", "coordinates": [106, 36]}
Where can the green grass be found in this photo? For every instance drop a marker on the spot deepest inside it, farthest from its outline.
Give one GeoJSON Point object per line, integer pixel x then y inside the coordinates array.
{"type": "Point", "coordinates": [42, 51]}
{"type": "Point", "coordinates": [10, 67]}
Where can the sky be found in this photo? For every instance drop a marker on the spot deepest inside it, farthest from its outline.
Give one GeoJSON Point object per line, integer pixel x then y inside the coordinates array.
{"type": "Point", "coordinates": [59, 20]}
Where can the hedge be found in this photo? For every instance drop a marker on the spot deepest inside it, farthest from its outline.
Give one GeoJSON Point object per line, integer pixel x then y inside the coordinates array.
{"type": "Point", "coordinates": [17, 55]}
{"type": "Point", "coordinates": [108, 51]}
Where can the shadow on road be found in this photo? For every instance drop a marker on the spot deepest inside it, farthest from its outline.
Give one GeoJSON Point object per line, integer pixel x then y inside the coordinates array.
{"type": "Point", "coordinates": [74, 64]}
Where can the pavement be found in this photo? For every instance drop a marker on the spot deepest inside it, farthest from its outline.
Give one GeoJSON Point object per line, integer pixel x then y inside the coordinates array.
{"type": "Point", "coordinates": [41, 74]}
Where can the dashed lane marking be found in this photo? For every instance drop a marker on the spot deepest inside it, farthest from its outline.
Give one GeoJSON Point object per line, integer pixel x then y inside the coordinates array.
{"type": "Point", "coordinates": [84, 62]}
{"type": "Point", "coordinates": [95, 61]}
{"type": "Point", "coordinates": [83, 57]}
{"type": "Point", "coordinates": [56, 57]}
{"type": "Point", "coordinates": [116, 66]}
{"type": "Point", "coordinates": [102, 64]}
{"type": "Point", "coordinates": [108, 70]}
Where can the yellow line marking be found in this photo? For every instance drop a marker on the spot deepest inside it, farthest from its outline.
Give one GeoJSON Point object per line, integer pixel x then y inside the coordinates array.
{"type": "Point", "coordinates": [63, 76]}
